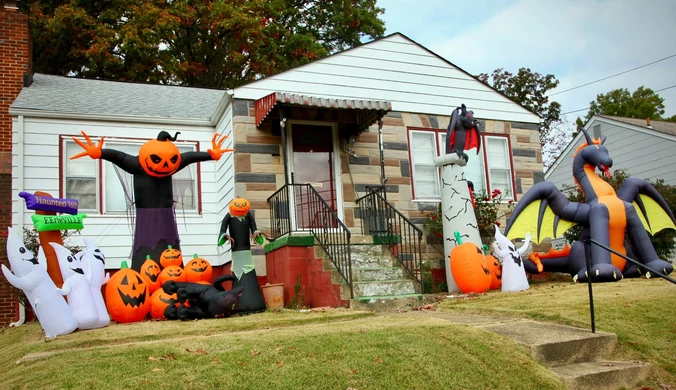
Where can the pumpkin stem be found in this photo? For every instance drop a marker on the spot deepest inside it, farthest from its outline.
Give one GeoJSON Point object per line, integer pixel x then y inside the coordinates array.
{"type": "Point", "coordinates": [485, 248]}
{"type": "Point", "coordinates": [458, 238]}
{"type": "Point", "coordinates": [124, 264]}
{"type": "Point", "coordinates": [169, 247]}
{"type": "Point", "coordinates": [147, 257]}
{"type": "Point", "coordinates": [195, 256]}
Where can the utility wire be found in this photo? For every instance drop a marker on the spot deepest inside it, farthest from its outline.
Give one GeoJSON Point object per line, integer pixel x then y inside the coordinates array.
{"type": "Point", "coordinates": [664, 89]}
{"type": "Point", "coordinates": [615, 75]}
{"type": "Point", "coordinates": [584, 109]}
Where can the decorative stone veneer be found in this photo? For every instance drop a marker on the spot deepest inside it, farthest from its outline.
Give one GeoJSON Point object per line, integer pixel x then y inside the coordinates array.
{"type": "Point", "coordinates": [259, 169]}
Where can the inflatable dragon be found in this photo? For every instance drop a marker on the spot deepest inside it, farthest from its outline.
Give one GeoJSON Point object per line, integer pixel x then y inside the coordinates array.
{"type": "Point", "coordinates": [605, 216]}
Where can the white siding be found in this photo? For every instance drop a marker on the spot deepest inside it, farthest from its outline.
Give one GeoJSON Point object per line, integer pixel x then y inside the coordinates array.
{"type": "Point", "coordinates": [112, 232]}
{"type": "Point", "coordinates": [643, 153]}
{"type": "Point", "coordinates": [394, 69]}
{"type": "Point", "coordinates": [225, 178]}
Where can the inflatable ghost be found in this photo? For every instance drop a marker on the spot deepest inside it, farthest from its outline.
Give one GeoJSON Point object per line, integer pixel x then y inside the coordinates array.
{"type": "Point", "coordinates": [30, 275]}
{"type": "Point", "coordinates": [513, 271]}
{"type": "Point", "coordinates": [94, 266]}
{"type": "Point", "coordinates": [76, 287]}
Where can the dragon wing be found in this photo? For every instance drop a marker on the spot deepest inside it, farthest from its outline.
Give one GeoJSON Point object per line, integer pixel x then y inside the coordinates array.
{"type": "Point", "coordinates": [544, 212]}
{"type": "Point", "coordinates": [652, 209]}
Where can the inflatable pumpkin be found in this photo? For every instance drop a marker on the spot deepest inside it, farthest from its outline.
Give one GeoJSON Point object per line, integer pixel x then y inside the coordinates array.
{"type": "Point", "coordinates": [171, 256]}
{"type": "Point", "coordinates": [150, 271]}
{"type": "Point", "coordinates": [160, 157]}
{"type": "Point", "coordinates": [159, 301]}
{"type": "Point", "coordinates": [496, 272]}
{"type": "Point", "coordinates": [469, 268]}
{"type": "Point", "coordinates": [172, 272]}
{"type": "Point", "coordinates": [197, 270]}
{"type": "Point", "coordinates": [127, 296]}
{"type": "Point", "coordinates": [239, 207]}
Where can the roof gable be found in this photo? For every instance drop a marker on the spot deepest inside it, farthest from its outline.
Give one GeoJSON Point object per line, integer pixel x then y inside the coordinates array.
{"type": "Point", "coordinates": [396, 69]}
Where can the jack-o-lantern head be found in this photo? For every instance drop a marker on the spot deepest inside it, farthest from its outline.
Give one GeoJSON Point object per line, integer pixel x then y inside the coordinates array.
{"type": "Point", "coordinates": [171, 256]}
{"type": "Point", "coordinates": [160, 157]}
{"type": "Point", "coordinates": [150, 271]}
{"type": "Point", "coordinates": [198, 270]}
{"type": "Point", "coordinates": [239, 207]}
{"type": "Point", "coordinates": [160, 301]}
{"type": "Point", "coordinates": [496, 271]}
{"type": "Point", "coordinates": [469, 268]}
{"type": "Point", "coordinates": [172, 272]}
{"type": "Point", "coordinates": [127, 296]}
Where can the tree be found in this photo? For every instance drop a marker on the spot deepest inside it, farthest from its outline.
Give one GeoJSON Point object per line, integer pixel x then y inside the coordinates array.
{"type": "Point", "coordinates": [204, 43]}
{"type": "Point", "coordinates": [528, 89]}
{"type": "Point", "coordinates": [642, 103]}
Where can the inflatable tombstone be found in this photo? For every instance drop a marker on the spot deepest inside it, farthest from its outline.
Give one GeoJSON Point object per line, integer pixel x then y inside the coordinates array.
{"type": "Point", "coordinates": [513, 271]}
{"type": "Point", "coordinates": [30, 275]}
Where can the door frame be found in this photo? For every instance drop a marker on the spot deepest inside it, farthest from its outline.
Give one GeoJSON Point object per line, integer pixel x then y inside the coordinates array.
{"type": "Point", "coordinates": [337, 166]}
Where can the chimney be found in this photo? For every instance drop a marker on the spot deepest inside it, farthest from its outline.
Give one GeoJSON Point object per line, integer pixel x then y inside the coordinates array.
{"type": "Point", "coordinates": [648, 123]}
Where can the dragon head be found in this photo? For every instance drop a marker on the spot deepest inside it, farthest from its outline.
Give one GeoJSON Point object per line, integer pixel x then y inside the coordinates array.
{"type": "Point", "coordinates": [596, 154]}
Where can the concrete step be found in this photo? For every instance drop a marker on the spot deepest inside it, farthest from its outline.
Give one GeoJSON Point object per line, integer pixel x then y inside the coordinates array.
{"type": "Point", "coordinates": [602, 375]}
{"type": "Point", "coordinates": [558, 345]}
{"type": "Point", "coordinates": [387, 303]}
{"type": "Point", "coordinates": [357, 240]}
{"type": "Point", "coordinates": [367, 250]}
{"type": "Point", "coordinates": [383, 288]}
{"type": "Point", "coordinates": [377, 274]}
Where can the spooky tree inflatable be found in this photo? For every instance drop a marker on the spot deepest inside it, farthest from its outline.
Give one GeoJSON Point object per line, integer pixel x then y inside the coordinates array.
{"type": "Point", "coordinates": [152, 170]}
{"type": "Point", "coordinates": [607, 217]}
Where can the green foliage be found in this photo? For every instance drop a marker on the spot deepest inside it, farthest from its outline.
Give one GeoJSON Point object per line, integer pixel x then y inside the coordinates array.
{"type": "Point", "coordinates": [642, 103]}
{"type": "Point", "coordinates": [529, 89]}
{"type": "Point", "coordinates": [297, 301]}
{"type": "Point", "coordinates": [664, 243]}
{"type": "Point", "coordinates": [217, 44]}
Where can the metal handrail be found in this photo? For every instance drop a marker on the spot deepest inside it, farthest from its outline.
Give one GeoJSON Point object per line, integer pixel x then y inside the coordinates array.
{"type": "Point", "coordinates": [405, 249]}
{"type": "Point", "coordinates": [588, 242]}
{"type": "Point", "coordinates": [336, 245]}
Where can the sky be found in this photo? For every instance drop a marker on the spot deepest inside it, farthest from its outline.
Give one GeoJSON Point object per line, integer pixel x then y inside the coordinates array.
{"type": "Point", "coordinates": [578, 41]}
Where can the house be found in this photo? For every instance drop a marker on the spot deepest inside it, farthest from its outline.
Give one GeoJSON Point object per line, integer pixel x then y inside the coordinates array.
{"type": "Point", "coordinates": [315, 125]}
{"type": "Point", "coordinates": [642, 147]}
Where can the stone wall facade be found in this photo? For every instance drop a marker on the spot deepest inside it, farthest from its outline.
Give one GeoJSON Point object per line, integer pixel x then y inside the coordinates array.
{"type": "Point", "coordinates": [259, 161]}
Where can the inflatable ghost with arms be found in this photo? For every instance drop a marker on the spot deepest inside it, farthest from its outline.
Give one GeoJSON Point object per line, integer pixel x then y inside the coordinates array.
{"type": "Point", "coordinates": [76, 287]}
{"type": "Point", "coordinates": [513, 272]}
{"type": "Point", "coordinates": [94, 266]}
{"type": "Point", "coordinates": [30, 275]}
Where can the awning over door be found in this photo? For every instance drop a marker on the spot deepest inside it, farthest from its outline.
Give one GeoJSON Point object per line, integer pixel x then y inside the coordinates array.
{"type": "Point", "coordinates": [359, 113]}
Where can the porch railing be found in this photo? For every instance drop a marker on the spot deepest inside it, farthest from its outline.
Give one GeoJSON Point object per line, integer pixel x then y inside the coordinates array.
{"type": "Point", "coordinates": [391, 228]}
{"type": "Point", "coordinates": [309, 212]}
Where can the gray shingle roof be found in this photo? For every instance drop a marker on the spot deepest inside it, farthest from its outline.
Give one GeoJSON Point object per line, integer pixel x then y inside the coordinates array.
{"type": "Point", "coordinates": [661, 126]}
{"type": "Point", "coordinates": [98, 97]}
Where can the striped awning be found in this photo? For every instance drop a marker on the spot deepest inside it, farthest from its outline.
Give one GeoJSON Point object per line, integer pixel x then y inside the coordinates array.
{"type": "Point", "coordinates": [369, 110]}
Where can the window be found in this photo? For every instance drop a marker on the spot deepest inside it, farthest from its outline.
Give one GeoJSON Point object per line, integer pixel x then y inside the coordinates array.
{"type": "Point", "coordinates": [498, 174]}
{"type": "Point", "coordinates": [97, 185]}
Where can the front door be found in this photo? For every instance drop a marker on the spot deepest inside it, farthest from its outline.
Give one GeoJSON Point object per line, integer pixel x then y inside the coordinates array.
{"type": "Point", "coordinates": [314, 162]}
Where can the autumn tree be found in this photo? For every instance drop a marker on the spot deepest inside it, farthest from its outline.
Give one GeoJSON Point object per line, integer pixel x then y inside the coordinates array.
{"type": "Point", "coordinates": [205, 43]}
{"type": "Point", "coordinates": [642, 103]}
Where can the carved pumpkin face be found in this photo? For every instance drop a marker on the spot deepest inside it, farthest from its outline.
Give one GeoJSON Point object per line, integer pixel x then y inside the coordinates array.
{"type": "Point", "coordinates": [171, 256]}
{"type": "Point", "coordinates": [127, 296]}
{"type": "Point", "coordinates": [496, 272]}
{"type": "Point", "coordinates": [150, 271]}
{"type": "Point", "coordinates": [239, 207]}
{"type": "Point", "coordinates": [160, 301]}
{"type": "Point", "coordinates": [160, 157]}
{"type": "Point", "coordinates": [469, 268]}
{"type": "Point", "coordinates": [198, 270]}
{"type": "Point", "coordinates": [172, 272]}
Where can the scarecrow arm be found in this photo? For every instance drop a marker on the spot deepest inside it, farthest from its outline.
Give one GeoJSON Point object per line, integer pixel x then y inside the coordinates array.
{"type": "Point", "coordinates": [188, 158]}
{"type": "Point", "coordinates": [128, 163]}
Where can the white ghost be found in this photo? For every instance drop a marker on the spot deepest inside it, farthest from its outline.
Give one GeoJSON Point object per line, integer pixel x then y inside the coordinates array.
{"type": "Point", "coordinates": [30, 275]}
{"type": "Point", "coordinates": [94, 265]}
{"type": "Point", "coordinates": [76, 287]}
{"type": "Point", "coordinates": [513, 272]}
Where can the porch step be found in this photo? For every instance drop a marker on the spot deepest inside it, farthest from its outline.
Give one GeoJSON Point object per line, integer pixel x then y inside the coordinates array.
{"type": "Point", "coordinates": [377, 274]}
{"type": "Point", "coordinates": [386, 303]}
{"type": "Point", "coordinates": [602, 375]}
{"type": "Point", "coordinates": [383, 288]}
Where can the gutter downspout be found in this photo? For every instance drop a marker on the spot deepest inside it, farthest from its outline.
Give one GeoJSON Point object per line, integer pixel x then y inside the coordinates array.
{"type": "Point", "coordinates": [20, 167]}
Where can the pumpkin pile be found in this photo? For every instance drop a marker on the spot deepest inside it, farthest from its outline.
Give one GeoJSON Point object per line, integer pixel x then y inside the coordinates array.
{"type": "Point", "coordinates": [131, 295]}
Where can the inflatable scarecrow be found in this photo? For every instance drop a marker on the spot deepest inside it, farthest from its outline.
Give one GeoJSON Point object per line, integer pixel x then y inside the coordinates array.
{"type": "Point", "coordinates": [236, 228]}
{"type": "Point", "coordinates": [605, 216]}
{"type": "Point", "coordinates": [157, 161]}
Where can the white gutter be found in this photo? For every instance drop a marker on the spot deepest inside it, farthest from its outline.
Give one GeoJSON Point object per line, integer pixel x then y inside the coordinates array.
{"type": "Point", "coordinates": [110, 118]}
{"type": "Point", "coordinates": [20, 167]}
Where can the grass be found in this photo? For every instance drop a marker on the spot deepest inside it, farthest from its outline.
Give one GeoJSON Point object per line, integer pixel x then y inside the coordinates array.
{"type": "Point", "coordinates": [641, 312]}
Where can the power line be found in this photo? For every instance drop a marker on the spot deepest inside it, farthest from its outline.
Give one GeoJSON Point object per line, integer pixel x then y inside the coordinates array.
{"type": "Point", "coordinates": [615, 75]}
{"type": "Point", "coordinates": [584, 109]}
{"type": "Point", "coordinates": [664, 89]}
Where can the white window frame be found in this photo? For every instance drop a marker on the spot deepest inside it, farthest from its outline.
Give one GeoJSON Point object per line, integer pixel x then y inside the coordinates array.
{"type": "Point", "coordinates": [509, 195]}
{"type": "Point", "coordinates": [101, 207]}
{"type": "Point", "coordinates": [437, 178]}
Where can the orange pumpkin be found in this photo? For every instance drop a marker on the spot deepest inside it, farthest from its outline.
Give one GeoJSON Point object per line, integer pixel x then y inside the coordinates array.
{"type": "Point", "coordinates": [160, 157]}
{"type": "Point", "coordinates": [127, 296]}
{"type": "Point", "coordinates": [198, 270]}
{"type": "Point", "coordinates": [159, 301]}
{"type": "Point", "coordinates": [239, 207]}
{"type": "Point", "coordinates": [469, 268]}
{"type": "Point", "coordinates": [172, 272]}
{"type": "Point", "coordinates": [496, 272]}
{"type": "Point", "coordinates": [171, 256]}
{"type": "Point", "coordinates": [150, 271]}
